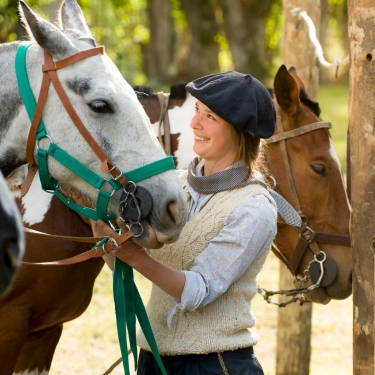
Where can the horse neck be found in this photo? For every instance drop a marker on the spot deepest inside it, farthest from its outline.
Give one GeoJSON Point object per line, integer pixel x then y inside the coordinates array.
{"type": "Point", "coordinates": [180, 113]}
{"type": "Point", "coordinates": [13, 132]}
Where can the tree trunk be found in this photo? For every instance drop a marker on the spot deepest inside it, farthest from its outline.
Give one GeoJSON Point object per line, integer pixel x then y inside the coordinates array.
{"type": "Point", "coordinates": [202, 58]}
{"type": "Point", "coordinates": [298, 48]}
{"type": "Point", "coordinates": [245, 29]}
{"type": "Point", "coordinates": [294, 321]}
{"type": "Point", "coordinates": [322, 36]}
{"type": "Point", "coordinates": [362, 159]}
{"type": "Point", "coordinates": [158, 53]}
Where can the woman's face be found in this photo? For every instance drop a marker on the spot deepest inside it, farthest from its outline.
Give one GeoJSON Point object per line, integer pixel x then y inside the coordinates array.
{"type": "Point", "coordinates": [213, 138]}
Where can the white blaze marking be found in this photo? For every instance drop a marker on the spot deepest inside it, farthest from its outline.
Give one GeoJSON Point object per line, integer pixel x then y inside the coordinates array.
{"type": "Point", "coordinates": [35, 203]}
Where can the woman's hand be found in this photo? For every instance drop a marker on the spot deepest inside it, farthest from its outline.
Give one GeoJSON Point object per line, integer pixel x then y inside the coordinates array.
{"type": "Point", "coordinates": [168, 279]}
{"type": "Point", "coordinates": [129, 252]}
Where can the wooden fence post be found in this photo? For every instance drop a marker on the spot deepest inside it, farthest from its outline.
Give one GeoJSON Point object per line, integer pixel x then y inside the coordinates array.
{"type": "Point", "coordinates": [362, 159]}
{"type": "Point", "coordinates": [294, 321]}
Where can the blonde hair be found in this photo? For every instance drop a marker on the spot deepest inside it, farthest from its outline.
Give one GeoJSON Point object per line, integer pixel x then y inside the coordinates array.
{"type": "Point", "coordinates": [249, 150]}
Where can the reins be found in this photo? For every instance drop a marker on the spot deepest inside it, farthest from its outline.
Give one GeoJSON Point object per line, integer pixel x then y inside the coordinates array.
{"type": "Point", "coordinates": [308, 238]}
{"type": "Point", "coordinates": [128, 302]}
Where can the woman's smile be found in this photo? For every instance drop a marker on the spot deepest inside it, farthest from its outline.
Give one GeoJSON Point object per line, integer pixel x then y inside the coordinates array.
{"type": "Point", "coordinates": [197, 138]}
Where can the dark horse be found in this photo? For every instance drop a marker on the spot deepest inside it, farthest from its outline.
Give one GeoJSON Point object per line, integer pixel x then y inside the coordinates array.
{"type": "Point", "coordinates": [12, 243]}
{"type": "Point", "coordinates": [42, 314]}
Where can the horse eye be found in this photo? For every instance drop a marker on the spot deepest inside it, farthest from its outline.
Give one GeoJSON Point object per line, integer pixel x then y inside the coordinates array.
{"type": "Point", "coordinates": [319, 169]}
{"type": "Point", "coordinates": [99, 106]}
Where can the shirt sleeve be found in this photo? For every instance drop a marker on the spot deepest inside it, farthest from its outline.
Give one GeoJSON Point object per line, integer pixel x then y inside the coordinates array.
{"type": "Point", "coordinates": [247, 233]}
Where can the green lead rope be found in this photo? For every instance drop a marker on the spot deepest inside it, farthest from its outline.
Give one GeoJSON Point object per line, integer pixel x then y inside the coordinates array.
{"type": "Point", "coordinates": [128, 305]}
{"type": "Point", "coordinates": [128, 302]}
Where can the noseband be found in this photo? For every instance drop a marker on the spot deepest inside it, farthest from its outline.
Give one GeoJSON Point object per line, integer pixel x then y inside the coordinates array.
{"type": "Point", "coordinates": [322, 270]}
{"type": "Point", "coordinates": [118, 179]}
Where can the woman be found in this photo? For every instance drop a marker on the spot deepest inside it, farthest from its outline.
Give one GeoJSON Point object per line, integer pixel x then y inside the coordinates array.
{"type": "Point", "coordinates": [200, 305]}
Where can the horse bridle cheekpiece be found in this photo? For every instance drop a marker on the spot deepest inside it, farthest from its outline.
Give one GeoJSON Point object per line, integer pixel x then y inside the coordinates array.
{"type": "Point", "coordinates": [136, 202]}
{"type": "Point", "coordinates": [321, 270]}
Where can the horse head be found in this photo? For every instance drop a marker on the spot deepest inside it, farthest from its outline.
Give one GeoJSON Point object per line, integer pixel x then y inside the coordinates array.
{"type": "Point", "coordinates": [115, 124]}
{"type": "Point", "coordinates": [314, 187]}
{"type": "Point", "coordinates": [12, 241]}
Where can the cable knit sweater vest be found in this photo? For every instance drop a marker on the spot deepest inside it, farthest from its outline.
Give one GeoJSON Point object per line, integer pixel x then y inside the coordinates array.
{"type": "Point", "coordinates": [222, 324]}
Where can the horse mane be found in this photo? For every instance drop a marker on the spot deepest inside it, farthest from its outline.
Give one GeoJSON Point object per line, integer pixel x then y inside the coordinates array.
{"type": "Point", "coordinates": [177, 91]}
{"type": "Point", "coordinates": [144, 91]}
{"type": "Point", "coordinates": [304, 98]}
{"type": "Point", "coordinates": [309, 103]}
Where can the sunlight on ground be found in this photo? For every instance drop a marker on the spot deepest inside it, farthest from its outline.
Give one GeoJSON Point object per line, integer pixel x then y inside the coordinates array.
{"type": "Point", "coordinates": [89, 344]}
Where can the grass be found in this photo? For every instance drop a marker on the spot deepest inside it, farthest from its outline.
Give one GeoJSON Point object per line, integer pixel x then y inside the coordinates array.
{"type": "Point", "coordinates": [89, 345]}
{"type": "Point", "coordinates": [334, 102]}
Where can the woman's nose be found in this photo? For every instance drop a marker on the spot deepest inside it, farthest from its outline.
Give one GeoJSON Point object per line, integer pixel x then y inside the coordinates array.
{"type": "Point", "coordinates": [195, 123]}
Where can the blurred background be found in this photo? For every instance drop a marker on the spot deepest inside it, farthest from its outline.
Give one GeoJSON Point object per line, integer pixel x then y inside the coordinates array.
{"type": "Point", "coordinates": [161, 42]}
{"type": "Point", "coordinates": [157, 43]}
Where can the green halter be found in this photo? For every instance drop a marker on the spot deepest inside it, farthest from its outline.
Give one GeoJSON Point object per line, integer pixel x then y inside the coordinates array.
{"type": "Point", "coordinates": [51, 185]}
{"type": "Point", "coordinates": [128, 302]}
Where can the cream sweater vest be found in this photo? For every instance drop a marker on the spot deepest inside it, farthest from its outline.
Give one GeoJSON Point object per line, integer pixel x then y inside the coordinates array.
{"type": "Point", "coordinates": [222, 324]}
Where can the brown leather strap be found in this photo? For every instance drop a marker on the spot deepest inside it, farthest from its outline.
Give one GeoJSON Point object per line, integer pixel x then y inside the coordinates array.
{"type": "Point", "coordinates": [64, 238]}
{"type": "Point", "coordinates": [73, 59]}
{"type": "Point", "coordinates": [93, 253]}
{"type": "Point", "coordinates": [32, 135]}
{"type": "Point", "coordinates": [296, 258]}
{"type": "Point", "coordinates": [32, 169]}
{"type": "Point", "coordinates": [309, 238]}
{"type": "Point", "coordinates": [108, 167]}
{"type": "Point", "coordinates": [73, 114]}
{"type": "Point", "coordinates": [299, 131]}
{"type": "Point", "coordinates": [36, 119]}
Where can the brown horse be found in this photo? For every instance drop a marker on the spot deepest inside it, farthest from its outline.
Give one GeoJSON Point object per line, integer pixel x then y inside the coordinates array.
{"type": "Point", "coordinates": [307, 173]}
{"type": "Point", "coordinates": [32, 316]}
{"type": "Point", "coordinates": [315, 185]}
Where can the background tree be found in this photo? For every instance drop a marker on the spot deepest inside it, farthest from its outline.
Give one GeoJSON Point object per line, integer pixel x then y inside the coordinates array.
{"type": "Point", "coordinates": [160, 42]}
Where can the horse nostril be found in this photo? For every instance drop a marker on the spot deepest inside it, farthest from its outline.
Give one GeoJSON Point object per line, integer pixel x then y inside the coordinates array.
{"type": "Point", "coordinates": [173, 210]}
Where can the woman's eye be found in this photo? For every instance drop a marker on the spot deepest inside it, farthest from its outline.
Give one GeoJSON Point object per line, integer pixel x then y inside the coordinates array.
{"type": "Point", "coordinates": [99, 106]}
{"type": "Point", "coordinates": [319, 169]}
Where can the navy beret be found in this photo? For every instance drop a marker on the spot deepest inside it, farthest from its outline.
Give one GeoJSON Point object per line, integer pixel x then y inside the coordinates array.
{"type": "Point", "coordinates": [239, 99]}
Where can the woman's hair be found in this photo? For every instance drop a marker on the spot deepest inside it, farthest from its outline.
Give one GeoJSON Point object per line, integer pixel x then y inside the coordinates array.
{"type": "Point", "coordinates": [249, 150]}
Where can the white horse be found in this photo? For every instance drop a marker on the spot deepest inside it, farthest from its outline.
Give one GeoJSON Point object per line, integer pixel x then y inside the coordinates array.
{"type": "Point", "coordinates": [12, 242]}
{"type": "Point", "coordinates": [106, 105]}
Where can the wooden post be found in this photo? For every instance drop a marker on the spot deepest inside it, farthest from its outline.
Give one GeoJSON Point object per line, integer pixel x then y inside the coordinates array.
{"type": "Point", "coordinates": [362, 159]}
{"type": "Point", "coordinates": [294, 322]}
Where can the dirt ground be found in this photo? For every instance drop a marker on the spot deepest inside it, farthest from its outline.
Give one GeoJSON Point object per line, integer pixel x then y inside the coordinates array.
{"type": "Point", "coordinates": [89, 345]}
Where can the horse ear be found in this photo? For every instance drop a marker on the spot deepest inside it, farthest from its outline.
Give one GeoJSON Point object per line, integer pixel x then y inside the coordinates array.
{"type": "Point", "coordinates": [292, 71]}
{"type": "Point", "coordinates": [47, 35]}
{"type": "Point", "coordinates": [286, 91]}
{"type": "Point", "coordinates": [71, 17]}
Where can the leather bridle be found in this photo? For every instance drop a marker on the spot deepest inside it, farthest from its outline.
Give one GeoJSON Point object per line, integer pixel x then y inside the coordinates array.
{"type": "Point", "coordinates": [118, 180]}
{"type": "Point", "coordinates": [308, 238]}
{"type": "Point", "coordinates": [49, 69]}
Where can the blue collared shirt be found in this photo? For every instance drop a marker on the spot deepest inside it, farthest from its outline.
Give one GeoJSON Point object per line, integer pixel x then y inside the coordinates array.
{"type": "Point", "coordinates": [247, 233]}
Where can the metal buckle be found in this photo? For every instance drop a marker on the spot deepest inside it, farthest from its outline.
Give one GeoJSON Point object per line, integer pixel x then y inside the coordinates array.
{"type": "Point", "coordinates": [118, 176]}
